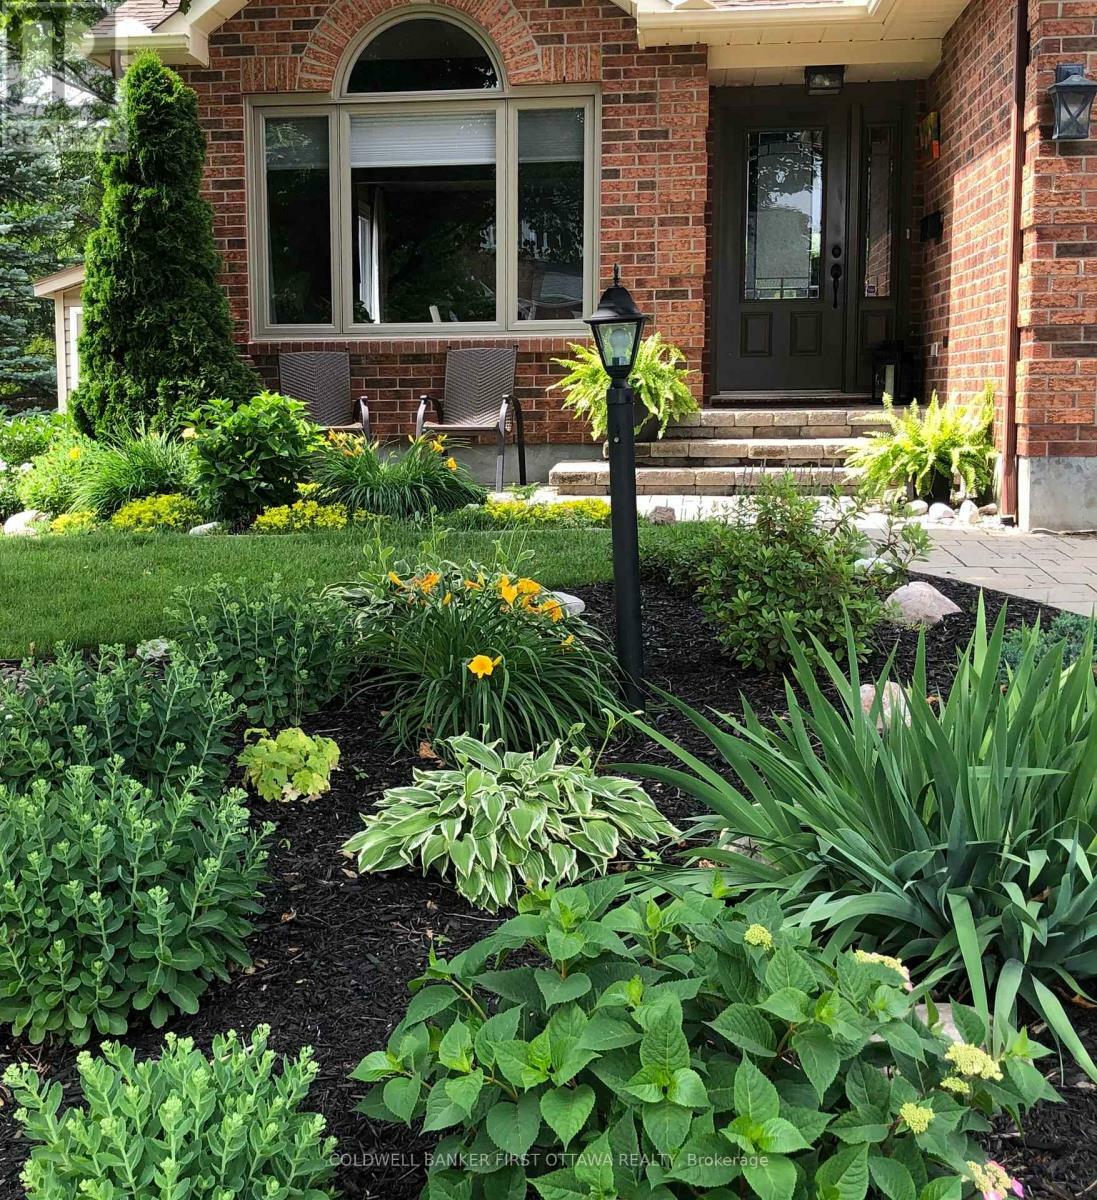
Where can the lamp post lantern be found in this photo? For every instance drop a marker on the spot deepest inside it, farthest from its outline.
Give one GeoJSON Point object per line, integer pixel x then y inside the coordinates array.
{"type": "Point", "coordinates": [617, 326]}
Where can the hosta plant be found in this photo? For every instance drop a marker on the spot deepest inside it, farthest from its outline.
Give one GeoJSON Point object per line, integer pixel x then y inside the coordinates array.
{"type": "Point", "coordinates": [469, 649]}
{"type": "Point", "coordinates": [931, 449]}
{"type": "Point", "coordinates": [659, 382]}
{"type": "Point", "coordinates": [285, 651]}
{"type": "Point", "coordinates": [181, 1125]}
{"type": "Point", "coordinates": [960, 836]}
{"type": "Point", "coordinates": [114, 899]}
{"type": "Point", "coordinates": [289, 766]}
{"type": "Point", "coordinates": [688, 1049]}
{"type": "Point", "coordinates": [501, 820]}
{"type": "Point", "coordinates": [161, 713]}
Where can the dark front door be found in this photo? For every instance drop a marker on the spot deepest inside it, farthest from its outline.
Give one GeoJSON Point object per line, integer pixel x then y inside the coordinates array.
{"type": "Point", "coordinates": [808, 254]}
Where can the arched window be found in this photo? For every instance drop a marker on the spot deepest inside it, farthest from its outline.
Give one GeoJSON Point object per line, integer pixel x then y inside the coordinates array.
{"type": "Point", "coordinates": [423, 54]}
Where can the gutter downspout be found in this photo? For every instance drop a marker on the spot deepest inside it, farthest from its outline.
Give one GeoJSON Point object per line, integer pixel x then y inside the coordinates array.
{"type": "Point", "coordinates": [1016, 253]}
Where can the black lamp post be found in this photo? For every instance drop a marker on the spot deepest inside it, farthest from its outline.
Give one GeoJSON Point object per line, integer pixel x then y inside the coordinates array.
{"type": "Point", "coordinates": [617, 326]}
{"type": "Point", "coordinates": [1072, 100]}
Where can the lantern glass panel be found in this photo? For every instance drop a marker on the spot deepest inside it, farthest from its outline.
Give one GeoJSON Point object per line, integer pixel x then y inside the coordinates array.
{"type": "Point", "coordinates": [617, 343]}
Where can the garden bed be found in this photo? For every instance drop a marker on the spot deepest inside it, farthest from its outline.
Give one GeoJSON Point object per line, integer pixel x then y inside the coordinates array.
{"type": "Point", "coordinates": [334, 952]}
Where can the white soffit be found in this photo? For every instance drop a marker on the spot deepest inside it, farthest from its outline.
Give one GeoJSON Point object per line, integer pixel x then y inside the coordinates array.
{"type": "Point", "coordinates": [772, 41]}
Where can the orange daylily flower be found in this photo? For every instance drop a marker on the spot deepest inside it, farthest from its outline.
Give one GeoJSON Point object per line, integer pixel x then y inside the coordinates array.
{"type": "Point", "coordinates": [553, 608]}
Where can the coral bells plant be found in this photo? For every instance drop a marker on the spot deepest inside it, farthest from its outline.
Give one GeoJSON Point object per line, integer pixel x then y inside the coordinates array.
{"type": "Point", "coordinates": [113, 899]}
{"type": "Point", "coordinates": [290, 766]}
{"type": "Point", "coordinates": [467, 649]}
{"type": "Point", "coordinates": [182, 1125]}
{"type": "Point", "coordinates": [686, 1048]}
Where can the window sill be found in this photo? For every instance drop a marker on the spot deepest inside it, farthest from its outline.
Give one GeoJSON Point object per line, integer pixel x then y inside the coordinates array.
{"type": "Point", "coordinates": [423, 334]}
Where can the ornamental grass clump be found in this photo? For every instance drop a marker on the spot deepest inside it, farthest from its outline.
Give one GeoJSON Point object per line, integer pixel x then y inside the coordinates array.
{"type": "Point", "coordinates": [161, 713]}
{"type": "Point", "coordinates": [425, 478]}
{"type": "Point", "coordinates": [683, 1049]}
{"type": "Point", "coordinates": [467, 649]}
{"type": "Point", "coordinates": [146, 464]}
{"type": "Point", "coordinates": [285, 651]}
{"type": "Point", "coordinates": [182, 1125]}
{"type": "Point", "coordinates": [960, 838]}
{"type": "Point", "coordinates": [500, 821]}
{"type": "Point", "coordinates": [115, 899]}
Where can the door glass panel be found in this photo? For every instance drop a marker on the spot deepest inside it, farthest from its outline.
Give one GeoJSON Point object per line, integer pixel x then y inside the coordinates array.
{"type": "Point", "coordinates": [879, 233]}
{"type": "Point", "coordinates": [784, 235]}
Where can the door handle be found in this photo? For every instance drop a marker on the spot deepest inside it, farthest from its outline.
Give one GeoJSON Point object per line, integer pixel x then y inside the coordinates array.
{"type": "Point", "coordinates": [836, 279]}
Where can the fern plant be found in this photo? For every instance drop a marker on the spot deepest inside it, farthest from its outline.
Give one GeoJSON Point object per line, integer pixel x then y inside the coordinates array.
{"type": "Point", "coordinates": [659, 382]}
{"type": "Point", "coordinates": [931, 448]}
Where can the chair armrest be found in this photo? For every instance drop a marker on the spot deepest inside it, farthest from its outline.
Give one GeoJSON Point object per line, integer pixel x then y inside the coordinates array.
{"type": "Point", "coordinates": [363, 415]}
{"type": "Point", "coordinates": [508, 400]}
{"type": "Point", "coordinates": [425, 402]}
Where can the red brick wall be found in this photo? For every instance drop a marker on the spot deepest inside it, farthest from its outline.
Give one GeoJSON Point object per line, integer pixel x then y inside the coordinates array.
{"type": "Point", "coordinates": [653, 186]}
{"type": "Point", "coordinates": [962, 284]}
{"type": "Point", "coordinates": [1058, 318]}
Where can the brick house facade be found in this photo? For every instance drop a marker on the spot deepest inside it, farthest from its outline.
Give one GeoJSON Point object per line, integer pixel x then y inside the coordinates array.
{"type": "Point", "coordinates": [661, 72]}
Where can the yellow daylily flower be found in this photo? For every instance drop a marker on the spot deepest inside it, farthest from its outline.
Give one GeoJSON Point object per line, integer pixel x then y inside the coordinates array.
{"type": "Point", "coordinates": [394, 578]}
{"type": "Point", "coordinates": [451, 464]}
{"type": "Point", "coordinates": [529, 587]}
{"type": "Point", "coordinates": [474, 585]}
{"type": "Point", "coordinates": [568, 642]}
{"type": "Point", "coordinates": [552, 608]}
{"type": "Point", "coordinates": [482, 664]}
{"type": "Point", "coordinates": [507, 590]}
{"type": "Point", "coordinates": [447, 599]}
{"type": "Point", "coordinates": [428, 582]}
{"type": "Point", "coordinates": [438, 444]}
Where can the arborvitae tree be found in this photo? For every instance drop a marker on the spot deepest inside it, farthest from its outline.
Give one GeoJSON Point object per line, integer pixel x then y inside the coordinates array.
{"type": "Point", "coordinates": [157, 337]}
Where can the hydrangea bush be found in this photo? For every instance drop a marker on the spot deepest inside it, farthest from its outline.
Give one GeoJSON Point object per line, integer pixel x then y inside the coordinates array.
{"type": "Point", "coordinates": [688, 1048]}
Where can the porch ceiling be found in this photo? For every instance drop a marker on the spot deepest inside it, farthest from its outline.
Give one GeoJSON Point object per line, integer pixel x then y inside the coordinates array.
{"type": "Point", "coordinates": [771, 41]}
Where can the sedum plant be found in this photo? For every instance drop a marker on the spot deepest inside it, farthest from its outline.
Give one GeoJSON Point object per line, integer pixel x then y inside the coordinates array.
{"type": "Point", "coordinates": [499, 821]}
{"type": "Point", "coordinates": [284, 650]}
{"type": "Point", "coordinates": [931, 449]}
{"type": "Point", "coordinates": [289, 766]}
{"type": "Point", "coordinates": [960, 837]}
{"type": "Point", "coordinates": [164, 715]}
{"type": "Point", "coordinates": [459, 648]}
{"type": "Point", "coordinates": [659, 382]}
{"type": "Point", "coordinates": [115, 900]}
{"type": "Point", "coordinates": [229, 1125]}
{"type": "Point", "coordinates": [688, 1049]}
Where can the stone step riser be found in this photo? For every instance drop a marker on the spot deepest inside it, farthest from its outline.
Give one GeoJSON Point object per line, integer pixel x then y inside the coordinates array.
{"type": "Point", "coordinates": [592, 479]}
{"type": "Point", "coordinates": [772, 451]}
{"type": "Point", "coordinates": [784, 423]}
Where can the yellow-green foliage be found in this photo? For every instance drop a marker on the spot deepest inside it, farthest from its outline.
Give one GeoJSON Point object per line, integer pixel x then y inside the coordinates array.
{"type": "Point", "coordinates": [291, 766]}
{"type": "Point", "coordinates": [171, 512]}
{"type": "Point", "coordinates": [301, 516]}
{"type": "Point", "coordinates": [74, 522]}
{"type": "Point", "coordinates": [565, 512]}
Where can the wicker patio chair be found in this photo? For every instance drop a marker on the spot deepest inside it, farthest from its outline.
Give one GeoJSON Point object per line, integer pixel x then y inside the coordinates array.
{"type": "Point", "coordinates": [479, 398]}
{"type": "Point", "coordinates": [320, 379]}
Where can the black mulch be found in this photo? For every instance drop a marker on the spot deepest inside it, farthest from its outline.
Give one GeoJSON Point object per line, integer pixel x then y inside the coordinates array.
{"type": "Point", "coordinates": [334, 952]}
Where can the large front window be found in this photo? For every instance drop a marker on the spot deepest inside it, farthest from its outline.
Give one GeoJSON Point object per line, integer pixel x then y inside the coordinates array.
{"type": "Point", "coordinates": [393, 209]}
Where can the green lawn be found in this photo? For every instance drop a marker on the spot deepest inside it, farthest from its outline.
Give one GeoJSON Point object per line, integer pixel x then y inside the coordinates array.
{"type": "Point", "coordinates": [95, 588]}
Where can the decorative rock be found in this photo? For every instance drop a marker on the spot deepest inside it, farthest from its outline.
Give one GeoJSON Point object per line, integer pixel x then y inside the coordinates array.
{"type": "Point", "coordinates": [867, 565]}
{"type": "Point", "coordinates": [989, 510]}
{"type": "Point", "coordinates": [203, 530]}
{"type": "Point", "coordinates": [26, 523]}
{"type": "Point", "coordinates": [969, 513]}
{"type": "Point", "coordinates": [875, 521]}
{"type": "Point", "coordinates": [941, 512]}
{"type": "Point", "coordinates": [893, 701]}
{"type": "Point", "coordinates": [917, 508]}
{"type": "Point", "coordinates": [573, 606]}
{"type": "Point", "coordinates": [663, 514]}
{"type": "Point", "coordinates": [920, 603]}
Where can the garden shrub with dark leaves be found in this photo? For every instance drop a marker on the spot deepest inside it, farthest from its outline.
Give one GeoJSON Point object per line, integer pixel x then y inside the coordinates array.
{"type": "Point", "coordinates": [688, 1048]}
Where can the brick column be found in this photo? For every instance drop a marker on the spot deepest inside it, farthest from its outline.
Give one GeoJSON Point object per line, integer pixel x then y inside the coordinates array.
{"type": "Point", "coordinates": [1057, 383]}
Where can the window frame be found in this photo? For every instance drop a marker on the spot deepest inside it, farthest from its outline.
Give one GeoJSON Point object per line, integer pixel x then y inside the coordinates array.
{"type": "Point", "coordinates": [339, 107]}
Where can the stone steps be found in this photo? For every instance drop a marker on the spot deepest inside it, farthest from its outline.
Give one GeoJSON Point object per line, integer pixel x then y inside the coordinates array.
{"type": "Point", "coordinates": [592, 479]}
{"type": "Point", "coordinates": [770, 451]}
{"type": "Point", "coordinates": [784, 422]}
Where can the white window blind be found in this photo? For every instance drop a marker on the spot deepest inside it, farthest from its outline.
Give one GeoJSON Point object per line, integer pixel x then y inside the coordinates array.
{"type": "Point", "coordinates": [550, 135]}
{"type": "Point", "coordinates": [426, 140]}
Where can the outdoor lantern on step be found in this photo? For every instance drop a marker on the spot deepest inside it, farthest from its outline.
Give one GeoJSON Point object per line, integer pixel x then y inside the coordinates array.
{"type": "Point", "coordinates": [1072, 99]}
{"type": "Point", "coordinates": [617, 326]}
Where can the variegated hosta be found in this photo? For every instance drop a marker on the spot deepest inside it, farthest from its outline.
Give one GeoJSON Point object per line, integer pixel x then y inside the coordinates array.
{"type": "Point", "coordinates": [502, 820]}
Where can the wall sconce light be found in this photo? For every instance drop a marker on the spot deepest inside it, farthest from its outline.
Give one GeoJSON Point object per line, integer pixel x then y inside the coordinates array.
{"type": "Point", "coordinates": [824, 81]}
{"type": "Point", "coordinates": [1072, 99]}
